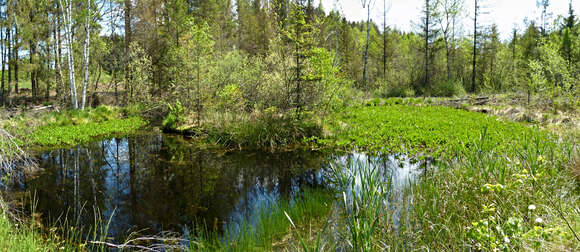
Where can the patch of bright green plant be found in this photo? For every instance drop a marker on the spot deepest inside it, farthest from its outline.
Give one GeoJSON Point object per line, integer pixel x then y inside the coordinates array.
{"type": "Point", "coordinates": [175, 117]}
{"type": "Point", "coordinates": [434, 130]}
{"type": "Point", "coordinates": [54, 135]}
{"type": "Point", "coordinates": [71, 127]}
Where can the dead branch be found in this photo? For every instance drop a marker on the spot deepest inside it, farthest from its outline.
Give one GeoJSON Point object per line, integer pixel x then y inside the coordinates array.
{"type": "Point", "coordinates": [13, 160]}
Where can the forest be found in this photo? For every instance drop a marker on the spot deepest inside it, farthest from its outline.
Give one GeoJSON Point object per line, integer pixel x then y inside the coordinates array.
{"type": "Point", "coordinates": [281, 125]}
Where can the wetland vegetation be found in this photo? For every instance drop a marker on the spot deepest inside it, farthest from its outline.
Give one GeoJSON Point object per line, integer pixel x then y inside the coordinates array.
{"type": "Point", "coordinates": [262, 125]}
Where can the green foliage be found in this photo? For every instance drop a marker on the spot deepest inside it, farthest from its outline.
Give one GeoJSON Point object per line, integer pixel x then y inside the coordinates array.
{"type": "Point", "coordinates": [549, 74]}
{"type": "Point", "coordinates": [24, 238]}
{"type": "Point", "coordinates": [174, 117]}
{"type": "Point", "coordinates": [140, 68]}
{"type": "Point", "coordinates": [448, 89]}
{"type": "Point", "coordinates": [231, 98]}
{"type": "Point", "coordinates": [268, 129]}
{"type": "Point", "coordinates": [53, 135]}
{"type": "Point", "coordinates": [439, 131]}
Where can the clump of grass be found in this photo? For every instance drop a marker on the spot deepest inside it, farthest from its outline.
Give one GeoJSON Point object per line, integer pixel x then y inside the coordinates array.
{"type": "Point", "coordinates": [21, 238]}
{"type": "Point", "coordinates": [273, 230]}
{"type": "Point", "coordinates": [364, 198]}
{"type": "Point", "coordinates": [263, 129]}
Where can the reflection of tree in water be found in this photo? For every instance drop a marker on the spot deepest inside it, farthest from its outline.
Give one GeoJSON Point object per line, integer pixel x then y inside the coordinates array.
{"type": "Point", "coordinates": [158, 182]}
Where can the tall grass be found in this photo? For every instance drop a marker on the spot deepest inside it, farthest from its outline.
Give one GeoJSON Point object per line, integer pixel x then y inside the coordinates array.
{"type": "Point", "coordinates": [284, 225]}
{"type": "Point", "coordinates": [266, 129]}
{"type": "Point", "coordinates": [490, 200]}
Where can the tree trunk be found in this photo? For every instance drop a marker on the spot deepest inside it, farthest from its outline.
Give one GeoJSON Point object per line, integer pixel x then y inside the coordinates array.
{"type": "Point", "coordinates": [48, 81]}
{"type": "Point", "coordinates": [86, 54]}
{"type": "Point", "coordinates": [71, 66]}
{"type": "Point", "coordinates": [474, 48]}
{"type": "Point", "coordinates": [384, 38]}
{"type": "Point", "coordinates": [427, 14]}
{"type": "Point", "coordinates": [9, 51]}
{"type": "Point", "coordinates": [58, 54]}
{"type": "Point", "coordinates": [198, 93]}
{"type": "Point", "coordinates": [33, 72]}
{"type": "Point", "coordinates": [298, 74]}
{"type": "Point", "coordinates": [127, 41]}
{"type": "Point", "coordinates": [2, 88]}
{"type": "Point", "coordinates": [366, 56]}
{"type": "Point", "coordinates": [32, 47]}
{"type": "Point", "coordinates": [15, 57]}
{"type": "Point", "coordinates": [447, 54]}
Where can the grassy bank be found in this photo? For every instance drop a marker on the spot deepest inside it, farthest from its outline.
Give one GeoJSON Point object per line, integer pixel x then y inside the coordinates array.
{"type": "Point", "coordinates": [267, 129]}
{"type": "Point", "coordinates": [71, 127]}
{"type": "Point", "coordinates": [287, 225]}
{"type": "Point", "coordinates": [499, 185]}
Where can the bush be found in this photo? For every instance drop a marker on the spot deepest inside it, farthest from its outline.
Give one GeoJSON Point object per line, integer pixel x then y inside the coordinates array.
{"type": "Point", "coordinates": [175, 116]}
{"type": "Point", "coordinates": [388, 91]}
{"type": "Point", "coordinates": [267, 129]}
{"type": "Point", "coordinates": [448, 89]}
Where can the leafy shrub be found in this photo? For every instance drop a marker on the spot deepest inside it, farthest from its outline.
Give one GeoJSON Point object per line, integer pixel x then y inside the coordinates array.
{"type": "Point", "coordinates": [266, 129]}
{"type": "Point", "coordinates": [388, 91]}
{"type": "Point", "coordinates": [175, 116]}
{"type": "Point", "coordinates": [448, 89]}
{"type": "Point", "coordinates": [230, 98]}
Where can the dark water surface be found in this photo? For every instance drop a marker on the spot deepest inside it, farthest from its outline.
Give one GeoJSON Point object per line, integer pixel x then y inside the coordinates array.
{"type": "Point", "coordinates": [154, 182]}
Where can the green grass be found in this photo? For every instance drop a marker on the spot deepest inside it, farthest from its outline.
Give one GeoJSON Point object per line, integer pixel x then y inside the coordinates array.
{"type": "Point", "coordinates": [53, 135]}
{"type": "Point", "coordinates": [71, 127]}
{"type": "Point", "coordinates": [499, 185]}
{"type": "Point", "coordinates": [437, 131]}
{"type": "Point", "coordinates": [284, 226]}
{"type": "Point", "coordinates": [20, 239]}
{"type": "Point", "coordinates": [258, 130]}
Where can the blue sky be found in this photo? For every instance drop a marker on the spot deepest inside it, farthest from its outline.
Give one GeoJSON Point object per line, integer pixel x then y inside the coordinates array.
{"type": "Point", "coordinates": [402, 14]}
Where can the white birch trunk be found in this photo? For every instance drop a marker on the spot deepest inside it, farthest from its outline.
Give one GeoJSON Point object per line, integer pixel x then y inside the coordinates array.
{"type": "Point", "coordinates": [70, 57]}
{"type": "Point", "coordinates": [86, 54]}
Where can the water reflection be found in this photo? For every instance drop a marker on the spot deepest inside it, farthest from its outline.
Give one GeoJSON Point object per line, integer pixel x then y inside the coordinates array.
{"type": "Point", "coordinates": [153, 183]}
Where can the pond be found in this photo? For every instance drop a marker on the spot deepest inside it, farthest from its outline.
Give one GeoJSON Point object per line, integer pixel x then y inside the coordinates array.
{"type": "Point", "coordinates": [153, 182]}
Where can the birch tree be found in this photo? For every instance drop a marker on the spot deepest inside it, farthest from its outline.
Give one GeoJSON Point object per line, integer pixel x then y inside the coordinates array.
{"type": "Point", "coordinates": [67, 14]}
{"type": "Point", "coordinates": [86, 53]}
{"type": "Point", "coordinates": [474, 61]}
